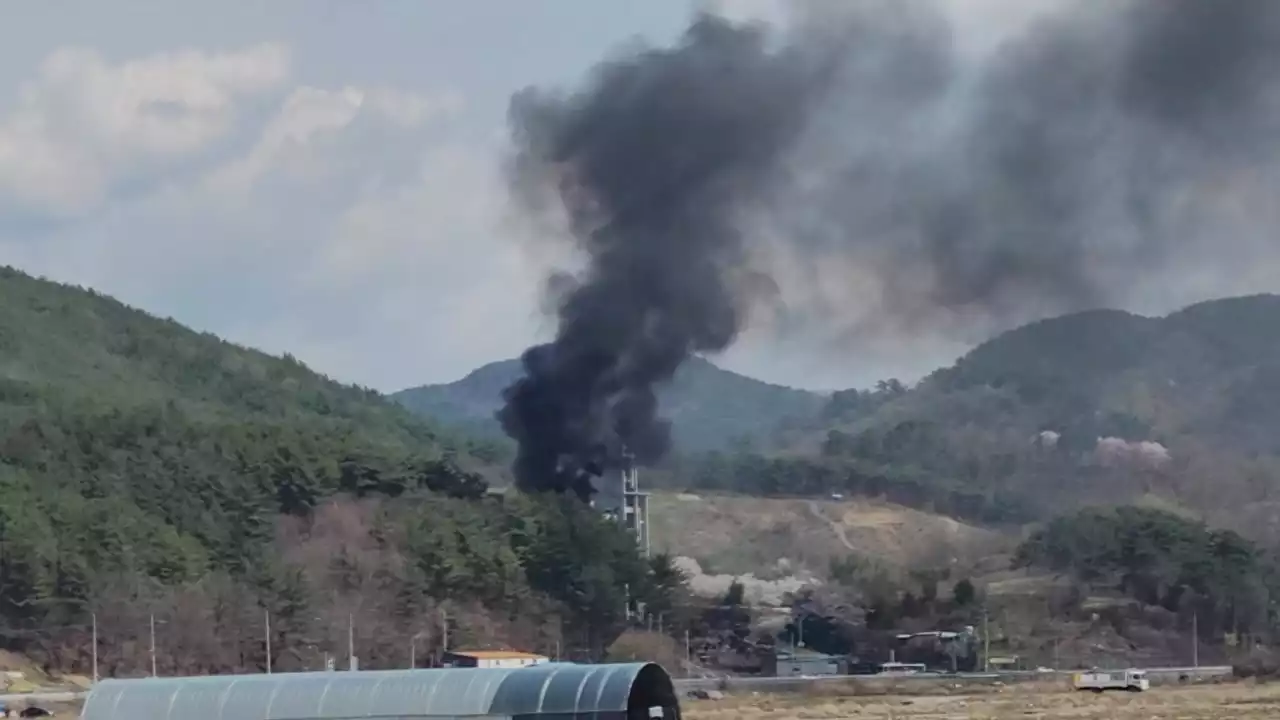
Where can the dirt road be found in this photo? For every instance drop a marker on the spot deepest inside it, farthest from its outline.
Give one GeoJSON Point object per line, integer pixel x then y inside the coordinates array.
{"type": "Point", "coordinates": [1245, 701]}
{"type": "Point", "coordinates": [836, 527]}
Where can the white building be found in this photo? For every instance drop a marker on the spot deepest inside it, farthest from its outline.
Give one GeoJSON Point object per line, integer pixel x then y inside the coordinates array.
{"type": "Point", "coordinates": [492, 659]}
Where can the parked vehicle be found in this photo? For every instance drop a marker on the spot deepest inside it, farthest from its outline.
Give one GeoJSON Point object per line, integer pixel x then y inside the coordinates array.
{"type": "Point", "coordinates": [1099, 680]}
{"type": "Point", "coordinates": [896, 668]}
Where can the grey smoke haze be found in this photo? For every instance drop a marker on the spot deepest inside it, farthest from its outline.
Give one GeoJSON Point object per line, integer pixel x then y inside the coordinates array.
{"type": "Point", "coordinates": [1077, 162]}
{"type": "Point", "coordinates": [853, 172]}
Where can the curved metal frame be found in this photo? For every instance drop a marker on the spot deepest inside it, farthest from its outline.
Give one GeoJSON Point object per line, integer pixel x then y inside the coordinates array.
{"type": "Point", "coordinates": [563, 690]}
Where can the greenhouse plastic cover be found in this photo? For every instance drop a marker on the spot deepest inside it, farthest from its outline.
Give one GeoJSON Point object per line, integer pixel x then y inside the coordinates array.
{"type": "Point", "coordinates": [563, 690]}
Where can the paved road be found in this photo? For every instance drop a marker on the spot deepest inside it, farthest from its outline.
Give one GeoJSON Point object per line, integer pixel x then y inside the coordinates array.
{"type": "Point", "coordinates": [19, 699]}
{"type": "Point", "coordinates": [780, 683]}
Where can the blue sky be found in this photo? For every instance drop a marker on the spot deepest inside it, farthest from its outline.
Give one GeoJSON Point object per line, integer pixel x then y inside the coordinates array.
{"type": "Point", "coordinates": [322, 177]}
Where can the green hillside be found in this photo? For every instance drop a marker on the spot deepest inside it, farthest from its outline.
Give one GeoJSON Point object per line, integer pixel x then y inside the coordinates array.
{"type": "Point", "coordinates": [1100, 406]}
{"type": "Point", "coordinates": [1204, 372]}
{"type": "Point", "coordinates": [710, 408]}
{"type": "Point", "coordinates": [149, 470]}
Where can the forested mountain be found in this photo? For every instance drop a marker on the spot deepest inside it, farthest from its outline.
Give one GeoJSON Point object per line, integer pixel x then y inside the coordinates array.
{"type": "Point", "coordinates": [1144, 451]}
{"type": "Point", "coordinates": [147, 471]}
{"type": "Point", "coordinates": [1100, 406]}
{"type": "Point", "coordinates": [710, 408]}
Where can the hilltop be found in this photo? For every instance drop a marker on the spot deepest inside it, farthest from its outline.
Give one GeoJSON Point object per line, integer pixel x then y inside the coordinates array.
{"type": "Point", "coordinates": [1095, 407]}
{"type": "Point", "coordinates": [148, 470]}
{"type": "Point", "coordinates": [1098, 406]}
{"type": "Point", "coordinates": [710, 408]}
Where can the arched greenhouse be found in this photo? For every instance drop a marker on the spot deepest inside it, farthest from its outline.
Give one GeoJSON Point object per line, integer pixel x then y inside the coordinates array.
{"type": "Point", "coordinates": [632, 691]}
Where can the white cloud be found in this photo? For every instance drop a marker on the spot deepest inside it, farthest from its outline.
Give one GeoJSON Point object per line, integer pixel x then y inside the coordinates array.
{"type": "Point", "coordinates": [361, 228]}
{"type": "Point", "coordinates": [309, 113]}
{"type": "Point", "coordinates": [83, 123]}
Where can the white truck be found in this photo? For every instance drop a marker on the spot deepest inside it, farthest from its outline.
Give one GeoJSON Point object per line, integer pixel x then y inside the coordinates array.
{"type": "Point", "coordinates": [1099, 680]}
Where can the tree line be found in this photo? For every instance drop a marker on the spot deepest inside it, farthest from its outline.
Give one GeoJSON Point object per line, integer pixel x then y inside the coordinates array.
{"type": "Point", "coordinates": [1163, 560]}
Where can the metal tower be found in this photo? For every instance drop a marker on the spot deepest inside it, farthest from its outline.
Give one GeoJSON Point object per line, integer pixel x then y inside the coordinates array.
{"type": "Point", "coordinates": [635, 504]}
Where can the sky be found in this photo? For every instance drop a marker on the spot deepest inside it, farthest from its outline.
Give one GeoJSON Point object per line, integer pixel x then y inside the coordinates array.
{"type": "Point", "coordinates": [322, 177]}
{"type": "Point", "coordinates": [314, 177]}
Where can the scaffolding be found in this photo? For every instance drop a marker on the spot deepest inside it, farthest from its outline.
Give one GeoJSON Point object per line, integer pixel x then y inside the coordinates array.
{"type": "Point", "coordinates": [621, 499]}
{"type": "Point", "coordinates": [635, 504]}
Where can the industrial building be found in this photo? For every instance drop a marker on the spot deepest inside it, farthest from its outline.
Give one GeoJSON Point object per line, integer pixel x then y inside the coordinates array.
{"type": "Point", "coordinates": [492, 659]}
{"type": "Point", "coordinates": [632, 691]}
{"type": "Point", "coordinates": [801, 663]}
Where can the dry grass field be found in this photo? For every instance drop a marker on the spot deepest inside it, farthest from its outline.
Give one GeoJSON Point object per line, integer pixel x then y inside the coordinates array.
{"type": "Point", "coordinates": [1238, 700]}
{"type": "Point", "coordinates": [738, 535]}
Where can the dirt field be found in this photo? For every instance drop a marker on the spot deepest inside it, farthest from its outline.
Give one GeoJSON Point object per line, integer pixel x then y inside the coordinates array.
{"type": "Point", "coordinates": [1218, 702]}
{"type": "Point", "coordinates": [737, 535]}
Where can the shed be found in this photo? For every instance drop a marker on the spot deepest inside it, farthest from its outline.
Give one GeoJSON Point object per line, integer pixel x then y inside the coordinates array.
{"type": "Point", "coordinates": [803, 663]}
{"type": "Point", "coordinates": [612, 692]}
{"type": "Point", "coordinates": [492, 659]}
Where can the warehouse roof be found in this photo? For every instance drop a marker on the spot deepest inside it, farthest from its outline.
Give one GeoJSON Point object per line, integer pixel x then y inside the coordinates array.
{"type": "Point", "coordinates": [496, 654]}
{"type": "Point", "coordinates": [560, 689]}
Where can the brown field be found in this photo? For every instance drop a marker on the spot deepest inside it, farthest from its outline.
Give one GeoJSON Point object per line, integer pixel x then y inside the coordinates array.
{"type": "Point", "coordinates": [1198, 702]}
{"type": "Point", "coordinates": [737, 534]}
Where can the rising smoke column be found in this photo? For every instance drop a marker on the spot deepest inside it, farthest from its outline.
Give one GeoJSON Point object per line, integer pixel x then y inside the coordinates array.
{"type": "Point", "coordinates": [889, 185]}
{"type": "Point", "coordinates": [650, 161]}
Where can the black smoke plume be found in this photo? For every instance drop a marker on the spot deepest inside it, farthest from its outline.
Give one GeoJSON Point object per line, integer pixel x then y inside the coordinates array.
{"type": "Point", "coordinates": [650, 160]}
{"type": "Point", "coordinates": [883, 183]}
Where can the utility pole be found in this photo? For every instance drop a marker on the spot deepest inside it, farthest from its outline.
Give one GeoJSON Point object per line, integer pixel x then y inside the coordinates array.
{"type": "Point", "coordinates": [688, 656]}
{"type": "Point", "coordinates": [444, 629]}
{"type": "Point", "coordinates": [351, 641]}
{"type": "Point", "coordinates": [986, 643]}
{"type": "Point", "coordinates": [266, 624]}
{"type": "Point", "coordinates": [1195, 639]}
{"type": "Point", "coordinates": [413, 649]}
{"type": "Point", "coordinates": [153, 644]}
{"type": "Point", "coordinates": [94, 617]}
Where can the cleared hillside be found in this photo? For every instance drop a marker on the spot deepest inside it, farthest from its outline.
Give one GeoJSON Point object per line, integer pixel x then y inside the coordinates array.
{"type": "Point", "coordinates": [771, 538]}
{"type": "Point", "coordinates": [710, 408]}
